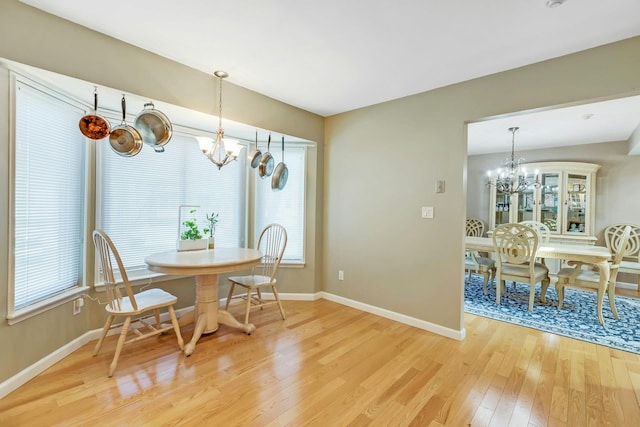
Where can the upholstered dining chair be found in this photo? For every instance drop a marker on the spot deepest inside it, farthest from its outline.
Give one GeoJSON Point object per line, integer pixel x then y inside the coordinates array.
{"type": "Point", "coordinates": [272, 243]}
{"type": "Point", "coordinates": [473, 261]}
{"type": "Point", "coordinates": [129, 305]}
{"type": "Point", "coordinates": [543, 231]}
{"type": "Point", "coordinates": [474, 227]}
{"type": "Point", "coordinates": [577, 277]}
{"type": "Point", "coordinates": [515, 246]}
{"type": "Point", "coordinates": [630, 262]}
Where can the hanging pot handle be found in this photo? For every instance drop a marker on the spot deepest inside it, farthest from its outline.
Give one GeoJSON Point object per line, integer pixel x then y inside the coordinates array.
{"type": "Point", "coordinates": [95, 99]}
{"type": "Point", "coordinates": [269, 143]}
{"type": "Point", "coordinates": [282, 148]}
{"type": "Point", "coordinates": [124, 109]}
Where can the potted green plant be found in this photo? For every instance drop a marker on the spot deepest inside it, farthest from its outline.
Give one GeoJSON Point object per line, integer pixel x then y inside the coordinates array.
{"type": "Point", "coordinates": [190, 236]}
{"type": "Point", "coordinates": [212, 220]}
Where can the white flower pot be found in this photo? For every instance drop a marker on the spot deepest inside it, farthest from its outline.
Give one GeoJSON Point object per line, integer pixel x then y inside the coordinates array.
{"type": "Point", "coordinates": [192, 245]}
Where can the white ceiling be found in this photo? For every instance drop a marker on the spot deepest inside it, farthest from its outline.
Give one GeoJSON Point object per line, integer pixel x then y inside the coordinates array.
{"type": "Point", "coordinates": [333, 56]}
{"type": "Point", "coordinates": [606, 121]}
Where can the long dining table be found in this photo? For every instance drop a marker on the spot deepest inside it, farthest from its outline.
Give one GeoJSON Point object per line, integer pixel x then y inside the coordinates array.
{"type": "Point", "coordinates": [599, 256]}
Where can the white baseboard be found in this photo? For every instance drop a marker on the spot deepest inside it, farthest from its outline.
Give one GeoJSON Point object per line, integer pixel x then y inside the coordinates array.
{"type": "Point", "coordinates": [32, 371]}
{"type": "Point", "coordinates": [51, 359]}
{"type": "Point", "coordinates": [402, 318]}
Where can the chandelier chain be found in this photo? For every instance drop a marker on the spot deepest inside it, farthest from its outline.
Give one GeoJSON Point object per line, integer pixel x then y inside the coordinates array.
{"type": "Point", "coordinates": [220, 104]}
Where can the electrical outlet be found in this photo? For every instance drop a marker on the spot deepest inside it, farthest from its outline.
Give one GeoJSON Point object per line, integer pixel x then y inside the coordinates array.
{"type": "Point", "coordinates": [340, 275]}
{"type": "Point", "coordinates": [77, 305]}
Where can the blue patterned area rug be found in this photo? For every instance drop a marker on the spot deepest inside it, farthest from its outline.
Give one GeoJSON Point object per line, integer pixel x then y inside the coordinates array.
{"type": "Point", "coordinates": [577, 318]}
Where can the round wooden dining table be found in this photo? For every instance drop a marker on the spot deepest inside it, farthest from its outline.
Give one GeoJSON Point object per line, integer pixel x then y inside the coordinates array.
{"type": "Point", "coordinates": [205, 264]}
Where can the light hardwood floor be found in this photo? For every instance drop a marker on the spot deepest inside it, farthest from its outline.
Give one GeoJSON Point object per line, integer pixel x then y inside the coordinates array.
{"type": "Point", "coordinates": [331, 365]}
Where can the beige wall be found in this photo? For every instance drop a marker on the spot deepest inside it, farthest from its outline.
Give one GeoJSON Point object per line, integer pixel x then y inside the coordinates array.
{"type": "Point", "coordinates": [382, 163]}
{"type": "Point", "coordinates": [34, 38]}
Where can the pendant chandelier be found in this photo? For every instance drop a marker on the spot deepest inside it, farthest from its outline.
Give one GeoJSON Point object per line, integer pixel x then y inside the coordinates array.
{"type": "Point", "coordinates": [511, 178]}
{"type": "Point", "coordinates": [223, 150]}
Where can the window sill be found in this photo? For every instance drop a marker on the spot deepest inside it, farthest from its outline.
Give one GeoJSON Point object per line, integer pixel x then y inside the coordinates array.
{"type": "Point", "coordinates": [42, 306]}
{"type": "Point", "coordinates": [292, 264]}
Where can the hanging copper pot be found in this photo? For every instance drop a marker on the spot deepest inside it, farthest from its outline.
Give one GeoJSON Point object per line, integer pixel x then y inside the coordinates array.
{"type": "Point", "coordinates": [94, 126]}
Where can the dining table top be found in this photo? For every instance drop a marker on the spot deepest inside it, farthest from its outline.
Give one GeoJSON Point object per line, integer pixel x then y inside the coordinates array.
{"type": "Point", "coordinates": [203, 261]}
{"type": "Point", "coordinates": [585, 253]}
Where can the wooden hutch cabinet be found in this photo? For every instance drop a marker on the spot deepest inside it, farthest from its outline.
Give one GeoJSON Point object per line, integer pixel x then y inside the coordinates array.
{"type": "Point", "coordinates": [564, 200]}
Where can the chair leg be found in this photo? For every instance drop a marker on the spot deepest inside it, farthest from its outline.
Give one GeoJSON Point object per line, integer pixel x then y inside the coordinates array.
{"type": "Point", "coordinates": [275, 293]}
{"type": "Point", "coordinates": [259, 292]}
{"type": "Point", "coordinates": [532, 294]}
{"type": "Point", "coordinates": [123, 336]}
{"type": "Point", "coordinates": [176, 326]}
{"type": "Point", "coordinates": [599, 307]}
{"type": "Point", "coordinates": [486, 281]}
{"type": "Point", "coordinates": [247, 306]}
{"type": "Point", "coordinates": [560, 292]}
{"type": "Point", "coordinates": [107, 326]}
{"type": "Point", "coordinates": [543, 292]}
{"type": "Point", "coordinates": [231, 288]}
{"type": "Point", "coordinates": [156, 314]}
{"type": "Point", "coordinates": [499, 285]}
{"type": "Point", "coordinates": [612, 304]}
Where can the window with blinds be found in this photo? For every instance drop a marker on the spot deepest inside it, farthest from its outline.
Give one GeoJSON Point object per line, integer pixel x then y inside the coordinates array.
{"type": "Point", "coordinates": [138, 198]}
{"type": "Point", "coordinates": [285, 207]}
{"type": "Point", "coordinates": [48, 195]}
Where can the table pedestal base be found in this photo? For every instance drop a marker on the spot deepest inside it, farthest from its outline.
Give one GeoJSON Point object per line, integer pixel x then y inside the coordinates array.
{"type": "Point", "coordinates": [206, 314]}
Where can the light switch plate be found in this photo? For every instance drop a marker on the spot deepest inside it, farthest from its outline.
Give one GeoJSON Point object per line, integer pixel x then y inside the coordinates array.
{"type": "Point", "coordinates": [427, 212]}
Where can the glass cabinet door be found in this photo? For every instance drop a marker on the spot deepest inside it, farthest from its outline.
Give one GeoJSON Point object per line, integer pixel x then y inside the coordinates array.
{"type": "Point", "coordinates": [502, 208]}
{"type": "Point", "coordinates": [526, 202]}
{"type": "Point", "coordinates": [576, 204]}
{"type": "Point", "coordinates": [549, 200]}
{"type": "Point", "coordinates": [562, 196]}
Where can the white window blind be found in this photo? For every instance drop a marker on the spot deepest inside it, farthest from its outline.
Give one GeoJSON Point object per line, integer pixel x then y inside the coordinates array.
{"type": "Point", "coordinates": [287, 206]}
{"type": "Point", "coordinates": [48, 196]}
{"type": "Point", "coordinates": [139, 198]}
